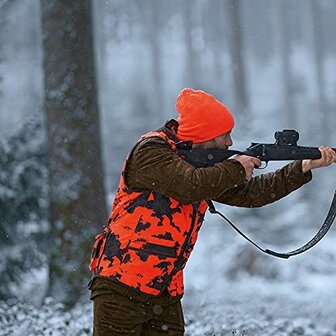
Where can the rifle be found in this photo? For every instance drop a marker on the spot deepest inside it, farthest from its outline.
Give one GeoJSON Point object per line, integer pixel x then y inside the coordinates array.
{"type": "Point", "coordinates": [285, 148]}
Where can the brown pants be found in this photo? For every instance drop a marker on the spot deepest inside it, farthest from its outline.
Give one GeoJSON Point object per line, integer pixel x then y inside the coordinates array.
{"type": "Point", "coordinates": [120, 310]}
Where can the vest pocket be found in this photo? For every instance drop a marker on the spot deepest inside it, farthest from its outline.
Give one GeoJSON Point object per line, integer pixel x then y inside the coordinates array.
{"type": "Point", "coordinates": [97, 251]}
{"type": "Point", "coordinates": [156, 249]}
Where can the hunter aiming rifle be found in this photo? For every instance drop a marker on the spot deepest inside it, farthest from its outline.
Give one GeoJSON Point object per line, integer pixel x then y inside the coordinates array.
{"type": "Point", "coordinates": [285, 148]}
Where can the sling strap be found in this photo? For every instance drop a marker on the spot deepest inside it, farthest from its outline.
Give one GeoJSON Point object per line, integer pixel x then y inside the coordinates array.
{"type": "Point", "coordinates": [319, 235]}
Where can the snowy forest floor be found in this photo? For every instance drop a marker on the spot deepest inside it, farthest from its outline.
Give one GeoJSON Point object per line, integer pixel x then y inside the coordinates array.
{"type": "Point", "coordinates": [245, 309]}
{"type": "Point", "coordinates": [229, 291]}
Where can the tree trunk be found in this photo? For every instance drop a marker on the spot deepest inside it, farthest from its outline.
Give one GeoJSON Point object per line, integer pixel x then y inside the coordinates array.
{"type": "Point", "coordinates": [192, 68]}
{"type": "Point", "coordinates": [319, 56]}
{"type": "Point", "coordinates": [155, 46]}
{"type": "Point", "coordinates": [236, 55]}
{"type": "Point", "coordinates": [77, 197]}
{"type": "Point", "coordinates": [286, 48]}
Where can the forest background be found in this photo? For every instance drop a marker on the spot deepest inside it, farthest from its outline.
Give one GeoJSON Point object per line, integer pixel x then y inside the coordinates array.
{"type": "Point", "coordinates": [80, 81]}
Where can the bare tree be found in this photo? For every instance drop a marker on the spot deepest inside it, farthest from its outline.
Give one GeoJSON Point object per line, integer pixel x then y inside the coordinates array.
{"type": "Point", "coordinates": [285, 51]}
{"type": "Point", "coordinates": [77, 197]}
{"type": "Point", "coordinates": [319, 56]}
{"type": "Point", "coordinates": [192, 68]}
{"type": "Point", "coordinates": [5, 6]}
{"type": "Point", "coordinates": [236, 49]}
{"type": "Point", "coordinates": [215, 36]}
{"type": "Point", "coordinates": [155, 46]}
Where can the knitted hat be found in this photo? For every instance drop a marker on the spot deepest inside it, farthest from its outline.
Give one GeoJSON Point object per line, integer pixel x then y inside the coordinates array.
{"type": "Point", "coordinates": [201, 116]}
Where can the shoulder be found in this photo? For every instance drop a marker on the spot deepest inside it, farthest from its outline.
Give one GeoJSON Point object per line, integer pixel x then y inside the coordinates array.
{"type": "Point", "coordinates": [152, 143]}
{"type": "Point", "coordinates": [144, 159]}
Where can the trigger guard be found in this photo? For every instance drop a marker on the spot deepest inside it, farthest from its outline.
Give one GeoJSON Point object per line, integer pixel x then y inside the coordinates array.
{"type": "Point", "coordinates": [265, 166]}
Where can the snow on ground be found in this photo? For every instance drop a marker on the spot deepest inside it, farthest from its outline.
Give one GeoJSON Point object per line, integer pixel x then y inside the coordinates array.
{"type": "Point", "coordinates": [255, 307]}
{"type": "Point", "coordinates": [244, 292]}
{"type": "Point", "coordinates": [231, 289]}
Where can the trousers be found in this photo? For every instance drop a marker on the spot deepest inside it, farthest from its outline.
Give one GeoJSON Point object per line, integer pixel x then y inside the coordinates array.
{"type": "Point", "coordinates": [121, 310]}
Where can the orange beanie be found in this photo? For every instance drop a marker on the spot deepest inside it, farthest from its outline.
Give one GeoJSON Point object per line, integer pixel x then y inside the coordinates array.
{"type": "Point", "coordinates": [201, 116]}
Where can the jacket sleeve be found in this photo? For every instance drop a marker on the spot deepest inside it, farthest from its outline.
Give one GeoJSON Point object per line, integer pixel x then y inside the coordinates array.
{"type": "Point", "coordinates": [155, 166]}
{"type": "Point", "coordinates": [266, 188]}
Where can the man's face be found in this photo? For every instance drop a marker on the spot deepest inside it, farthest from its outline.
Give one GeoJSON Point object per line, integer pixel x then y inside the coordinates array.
{"type": "Point", "coordinates": [222, 142]}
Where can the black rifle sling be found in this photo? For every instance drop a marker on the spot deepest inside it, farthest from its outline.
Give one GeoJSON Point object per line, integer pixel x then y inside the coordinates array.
{"type": "Point", "coordinates": [319, 235]}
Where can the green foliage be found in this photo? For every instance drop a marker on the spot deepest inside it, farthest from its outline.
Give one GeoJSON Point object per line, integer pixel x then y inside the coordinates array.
{"type": "Point", "coordinates": [23, 206]}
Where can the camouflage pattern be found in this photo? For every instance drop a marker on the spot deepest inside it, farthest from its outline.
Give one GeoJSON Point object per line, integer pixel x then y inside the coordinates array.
{"type": "Point", "coordinates": [149, 237]}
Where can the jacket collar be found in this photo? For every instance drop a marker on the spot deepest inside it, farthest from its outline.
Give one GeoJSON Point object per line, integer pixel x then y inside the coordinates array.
{"type": "Point", "coordinates": [170, 129]}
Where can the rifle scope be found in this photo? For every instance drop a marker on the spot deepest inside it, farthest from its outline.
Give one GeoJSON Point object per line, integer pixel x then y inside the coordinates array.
{"type": "Point", "coordinates": [286, 137]}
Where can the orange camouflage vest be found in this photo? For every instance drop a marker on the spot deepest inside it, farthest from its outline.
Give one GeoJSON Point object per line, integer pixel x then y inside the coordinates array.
{"type": "Point", "coordinates": [149, 237]}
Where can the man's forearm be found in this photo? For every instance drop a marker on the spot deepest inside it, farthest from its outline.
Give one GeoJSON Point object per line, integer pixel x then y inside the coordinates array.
{"type": "Point", "coordinates": [267, 188]}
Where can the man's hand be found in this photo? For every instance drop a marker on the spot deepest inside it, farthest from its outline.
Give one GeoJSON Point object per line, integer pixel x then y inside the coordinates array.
{"type": "Point", "coordinates": [249, 163]}
{"type": "Point", "coordinates": [328, 157]}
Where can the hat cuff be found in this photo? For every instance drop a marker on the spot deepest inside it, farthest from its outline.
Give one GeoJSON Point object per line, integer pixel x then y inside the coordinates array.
{"type": "Point", "coordinates": [197, 136]}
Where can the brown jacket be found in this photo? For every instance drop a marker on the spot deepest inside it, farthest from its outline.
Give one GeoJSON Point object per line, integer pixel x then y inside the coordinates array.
{"type": "Point", "coordinates": [154, 166]}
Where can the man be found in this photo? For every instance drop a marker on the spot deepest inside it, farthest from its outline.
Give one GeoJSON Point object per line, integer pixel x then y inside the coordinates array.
{"type": "Point", "coordinates": [138, 260]}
